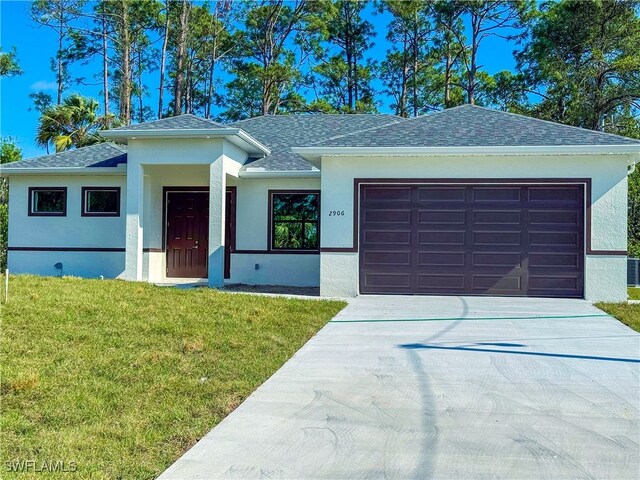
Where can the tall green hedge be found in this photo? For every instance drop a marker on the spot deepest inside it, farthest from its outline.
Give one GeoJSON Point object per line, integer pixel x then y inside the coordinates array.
{"type": "Point", "coordinates": [634, 215]}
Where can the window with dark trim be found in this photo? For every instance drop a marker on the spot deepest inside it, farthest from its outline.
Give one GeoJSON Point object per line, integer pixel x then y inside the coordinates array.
{"type": "Point", "coordinates": [294, 218]}
{"type": "Point", "coordinates": [100, 201]}
{"type": "Point", "coordinates": [48, 201]}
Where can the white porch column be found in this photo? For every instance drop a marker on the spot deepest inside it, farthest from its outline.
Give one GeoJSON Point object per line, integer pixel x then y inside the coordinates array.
{"type": "Point", "coordinates": [135, 203]}
{"type": "Point", "coordinates": [217, 187]}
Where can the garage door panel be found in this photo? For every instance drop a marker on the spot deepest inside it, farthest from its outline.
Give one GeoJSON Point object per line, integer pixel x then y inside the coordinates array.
{"type": "Point", "coordinates": [554, 194]}
{"type": "Point", "coordinates": [401, 217]}
{"type": "Point", "coordinates": [500, 217]}
{"type": "Point", "coordinates": [389, 237]}
{"type": "Point", "coordinates": [557, 217]}
{"type": "Point", "coordinates": [375, 258]}
{"type": "Point", "coordinates": [494, 259]}
{"type": "Point", "coordinates": [388, 281]}
{"type": "Point", "coordinates": [388, 195]}
{"type": "Point", "coordinates": [441, 238]}
{"type": "Point", "coordinates": [441, 194]}
{"type": "Point", "coordinates": [554, 239]}
{"type": "Point", "coordinates": [443, 217]}
{"type": "Point", "coordinates": [441, 281]}
{"type": "Point", "coordinates": [496, 283]}
{"type": "Point", "coordinates": [547, 282]}
{"type": "Point", "coordinates": [497, 194]}
{"type": "Point", "coordinates": [473, 239]}
{"type": "Point", "coordinates": [442, 259]}
{"type": "Point", "coordinates": [497, 238]}
{"type": "Point", "coordinates": [554, 260]}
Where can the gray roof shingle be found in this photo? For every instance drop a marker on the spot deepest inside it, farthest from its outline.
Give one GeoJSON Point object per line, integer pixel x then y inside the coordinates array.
{"type": "Point", "coordinates": [464, 126]}
{"type": "Point", "coordinates": [473, 126]}
{"type": "Point", "coordinates": [98, 155]}
{"type": "Point", "coordinates": [281, 132]}
{"type": "Point", "coordinates": [179, 122]}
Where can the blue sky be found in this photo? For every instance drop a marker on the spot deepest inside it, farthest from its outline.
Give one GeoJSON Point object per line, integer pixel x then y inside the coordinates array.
{"type": "Point", "coordinates": [36, 46]}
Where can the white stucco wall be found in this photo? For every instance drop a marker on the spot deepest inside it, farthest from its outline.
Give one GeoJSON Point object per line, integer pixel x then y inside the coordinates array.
{"type": "Point", "coordinates": [75, 264]}
{"type": "Point", "coordinates": [335, 272]}
{"type": "Point", "coordinates": [155, 163]}
{"type": "Point", "coordinates": [252, 210]}
{"type": "Point", "coordinates": [275, 269]}
{"type": "Point", "coordinates": [252, 207]}
{"type": "Point", "coordinates": [605, 276]}
{"type": "Point", "coordinates": [157, 158]}
{"type": "Point", "coordinates": [70, 231]}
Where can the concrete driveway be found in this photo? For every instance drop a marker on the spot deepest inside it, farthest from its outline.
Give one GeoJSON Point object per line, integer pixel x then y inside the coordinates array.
{"type": "Point", "coordinates": [441, 387]}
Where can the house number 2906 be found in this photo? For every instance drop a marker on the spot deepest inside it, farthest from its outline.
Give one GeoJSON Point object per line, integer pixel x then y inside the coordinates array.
{"type": "Point", "coordinates": [336, 213]}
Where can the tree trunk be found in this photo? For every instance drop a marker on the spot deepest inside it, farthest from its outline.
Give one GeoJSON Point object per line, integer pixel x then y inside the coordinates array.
{"type": "Point", "coordinates": [212, 70]}
{"type": "Point", "coordinates": [188, 97]}
{"type": "Point", "coordinates": [415, 75]}
{"type": "Point", "coordinates": [473, 68]}
{"type": "Point", "coordinates": [401, 110]}
{"type": "Point", "coordinates": [105, 63]}
{"type": "Point", "coordinates": [60, 73]}
{"type": "Point", "coordinates": [163, 59]}
{"type": "Point", "coordinates": [125, 87]}
{"type": "Point", "coordinates": [448, 67]}
{"type": "Point", "coordinates": [415, 63]}
{"type": "Point", "coordinates": [140, 88]}
{"type": "Point", "coordinates": [178, 86]}
{"type": "Point", "coordinates": [347, 48]}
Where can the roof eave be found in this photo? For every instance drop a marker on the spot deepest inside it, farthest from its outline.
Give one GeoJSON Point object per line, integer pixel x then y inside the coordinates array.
{"type": "Point", "coordinates": [279, 173]}
{"type": "Point", "coordinates": [119, 170]}
{"type": "Point", "coordinates": [314, 154]}
{"type": "Point", "coordinates": [242, 139]}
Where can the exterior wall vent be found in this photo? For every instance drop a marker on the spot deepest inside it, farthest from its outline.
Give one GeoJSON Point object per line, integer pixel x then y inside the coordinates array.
{"type": "Point", "coordinates": [633, 271]}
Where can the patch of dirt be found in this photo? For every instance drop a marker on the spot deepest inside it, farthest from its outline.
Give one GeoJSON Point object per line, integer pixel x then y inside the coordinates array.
{"type": "Point", "coordinates": [275, 289]}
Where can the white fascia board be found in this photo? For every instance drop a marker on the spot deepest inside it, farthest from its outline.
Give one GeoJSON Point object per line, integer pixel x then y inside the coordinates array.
{"type": "Point", "coordinates": [245, 137]}
{"type": "Point", "coordinates": [169, 133]}
{"type": "Point", "coordinates": [314, 154]}
{"type": "Point", "coordinates": [260, 173]}
{"type": "Point", "coordinates": [226, 132]}
{"type": "Point", "coordinates": [6, 172]}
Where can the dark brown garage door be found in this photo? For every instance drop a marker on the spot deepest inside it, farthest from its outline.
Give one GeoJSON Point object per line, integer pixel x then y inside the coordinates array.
{"type": "Point", "coordinates": [521, 240]}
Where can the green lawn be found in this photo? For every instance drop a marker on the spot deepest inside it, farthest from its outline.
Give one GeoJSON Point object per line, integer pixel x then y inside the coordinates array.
{"type": "Point", "coordinates": [121, 378]}
{"type": "Point", "coordinates": [627, 313]}
{"type": "Point", "coordinates": [633, 293]}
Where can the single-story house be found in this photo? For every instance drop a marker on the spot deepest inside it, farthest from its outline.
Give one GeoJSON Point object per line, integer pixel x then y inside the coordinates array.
{"type": "Point", "coordinates": [467, 201]}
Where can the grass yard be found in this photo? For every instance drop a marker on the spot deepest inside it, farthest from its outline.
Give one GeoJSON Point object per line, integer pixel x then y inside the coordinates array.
{"type": "Point", "coordinates": [627, 313]}
{"type": "Point", "coordinates": [633, 293]}
{"type": "Point", "coordinates": [122, 378]}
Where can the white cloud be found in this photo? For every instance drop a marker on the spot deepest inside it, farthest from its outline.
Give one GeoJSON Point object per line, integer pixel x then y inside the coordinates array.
{"type": "Point", "coordinates": [44, 85]}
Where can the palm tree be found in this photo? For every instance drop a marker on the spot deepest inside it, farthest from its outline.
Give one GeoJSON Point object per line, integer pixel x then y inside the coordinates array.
{"type": "Point", "coordinates": [73, 123]}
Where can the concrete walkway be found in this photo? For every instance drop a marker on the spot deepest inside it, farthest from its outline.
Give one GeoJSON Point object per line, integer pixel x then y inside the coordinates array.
{"type": "Point", "coordinates": [441, 387]}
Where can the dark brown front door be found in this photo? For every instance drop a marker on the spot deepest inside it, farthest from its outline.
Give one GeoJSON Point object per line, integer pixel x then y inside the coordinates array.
{"type": "Point", "coordinates": [230, 229]}
{"type": "Point", "coordinates": [516, 240]}
{"type": "Point", "coordinates": [187, 234]}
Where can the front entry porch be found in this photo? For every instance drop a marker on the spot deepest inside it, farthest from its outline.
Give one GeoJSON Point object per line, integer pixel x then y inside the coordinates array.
{"type": "Point", "coordinates": [177, 222]}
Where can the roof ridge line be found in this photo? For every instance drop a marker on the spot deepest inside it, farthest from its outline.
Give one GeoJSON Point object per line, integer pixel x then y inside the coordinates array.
{"type": "Point", "coordinates": [558, 123]}
{"type": "Point", "coordinates": [317, 114]}
{"type": "Point", "coordinates": [210, 122]}
{"type": "Point", "coordinates": [444, 110]}
{"type": "Point", "coordinates": [399, 120]}
{"type": "Point", "coordinates": [120, 148]}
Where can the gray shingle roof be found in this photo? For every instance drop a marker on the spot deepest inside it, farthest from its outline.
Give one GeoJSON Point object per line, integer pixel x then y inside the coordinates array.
{"type": "Point", "coordinates": [281, 132]}
{"type": "Point", "coordinates": [473, 126]}
{"type": "Point", "coordinates": [180, 122]}
{"type": "Point", "coordinates": [98, 155]}
{"type": "Point", "coordinates": [456, 127]}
